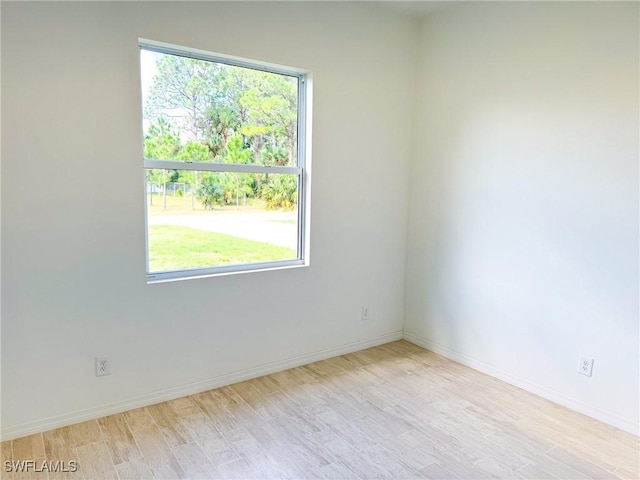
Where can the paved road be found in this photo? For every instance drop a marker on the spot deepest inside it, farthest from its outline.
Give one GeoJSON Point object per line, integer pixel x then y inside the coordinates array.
{"type": "Point", "coordinates": [269, 227]}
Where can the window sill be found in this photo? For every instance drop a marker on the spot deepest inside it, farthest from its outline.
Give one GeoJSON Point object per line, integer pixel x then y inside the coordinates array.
{"type": "Point", "coordinates": [223, 271]}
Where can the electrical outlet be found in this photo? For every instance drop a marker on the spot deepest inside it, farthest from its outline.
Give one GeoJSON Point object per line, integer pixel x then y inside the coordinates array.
{"type": "Point", "coordinates": [585, 367]}
{"type": "Point", "coordinates": [365, 314]}
{"type": "Point", "coordinates": [103, 366]}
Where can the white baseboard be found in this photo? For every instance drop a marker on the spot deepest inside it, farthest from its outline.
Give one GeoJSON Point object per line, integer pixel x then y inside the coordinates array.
{"type": "Point", "coordinates": [545, 392]}
{"type": "Point", "coordinates": [17, 431]}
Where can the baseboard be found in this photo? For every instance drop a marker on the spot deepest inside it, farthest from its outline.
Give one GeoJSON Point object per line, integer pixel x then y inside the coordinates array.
{"type": "Point", "coordinates": [70, 418]}
{"type": "Point", "coordinates": [545, 392]}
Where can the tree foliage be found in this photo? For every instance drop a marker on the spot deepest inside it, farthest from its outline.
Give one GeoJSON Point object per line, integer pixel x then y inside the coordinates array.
{"type": "Point", "coordinates": [199, 111]}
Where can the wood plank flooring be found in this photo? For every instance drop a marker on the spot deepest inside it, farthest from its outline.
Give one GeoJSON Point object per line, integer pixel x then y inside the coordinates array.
{"type": "Point", "coordinates": [394, 411]}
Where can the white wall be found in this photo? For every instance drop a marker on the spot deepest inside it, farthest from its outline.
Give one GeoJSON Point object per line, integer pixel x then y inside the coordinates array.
{"type": "Point", "coordinates": [523, 239]}
{"type": "Point", "coordinates": [73, 271]}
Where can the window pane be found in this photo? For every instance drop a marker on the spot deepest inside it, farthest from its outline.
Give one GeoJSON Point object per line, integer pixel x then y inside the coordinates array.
{"type": "Point", "coordinates": [199, 219]}
{"type": "Point", "coordinates": [203, 111]}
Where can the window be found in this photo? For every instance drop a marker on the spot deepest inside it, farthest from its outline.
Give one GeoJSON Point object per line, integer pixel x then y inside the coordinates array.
{"type": "Point", "coordinates": [224, 158]}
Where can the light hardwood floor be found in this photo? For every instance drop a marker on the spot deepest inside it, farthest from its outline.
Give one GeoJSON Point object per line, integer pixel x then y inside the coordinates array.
{"type": "Point", "coordinates": [394, 411]}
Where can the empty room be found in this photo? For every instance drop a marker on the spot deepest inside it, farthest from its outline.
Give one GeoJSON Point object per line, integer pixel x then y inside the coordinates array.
{"type": "Point", "coordinates": [320, 240]}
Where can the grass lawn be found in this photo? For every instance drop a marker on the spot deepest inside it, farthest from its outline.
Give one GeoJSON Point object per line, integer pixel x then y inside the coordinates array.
{"type": "Point", "coordinates": [178, 248]}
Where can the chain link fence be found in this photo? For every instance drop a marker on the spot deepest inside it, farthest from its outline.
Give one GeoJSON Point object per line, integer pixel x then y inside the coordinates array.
{"type": "Point", "coordinates": [174, 189]}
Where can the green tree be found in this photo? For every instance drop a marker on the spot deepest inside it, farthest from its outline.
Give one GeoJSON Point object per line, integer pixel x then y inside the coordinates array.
{"type": "Point", "coordinates": [235, 152]}
{"type": "Point", "coordinates": [270, 101]}
{"type": "Point", "coordinates": [160, 143]}
{"type": "Point", "coordinates": [196, 96]}
{"type": "Point", "coordinates": [192, 151]}
{"type": "Point", "coordinates": [210, 191]}
{"type": "Point", "coordinates": [235, 184]}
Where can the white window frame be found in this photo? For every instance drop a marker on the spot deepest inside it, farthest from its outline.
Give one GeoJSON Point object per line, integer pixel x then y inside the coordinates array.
{"type": "Point", "coordinates": [299, 169]}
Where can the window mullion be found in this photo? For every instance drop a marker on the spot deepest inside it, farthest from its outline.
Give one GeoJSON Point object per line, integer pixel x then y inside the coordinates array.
{"type": "Point", "coordinates": [218, 167]}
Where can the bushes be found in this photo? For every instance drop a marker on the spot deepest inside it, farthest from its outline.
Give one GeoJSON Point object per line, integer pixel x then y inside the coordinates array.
{"type": "Point", "coordinates": [277, 191]}
{"type": "Point", "coordinates": [280, 191]}
{"type": "Point", "coordinates": [225, 188]}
